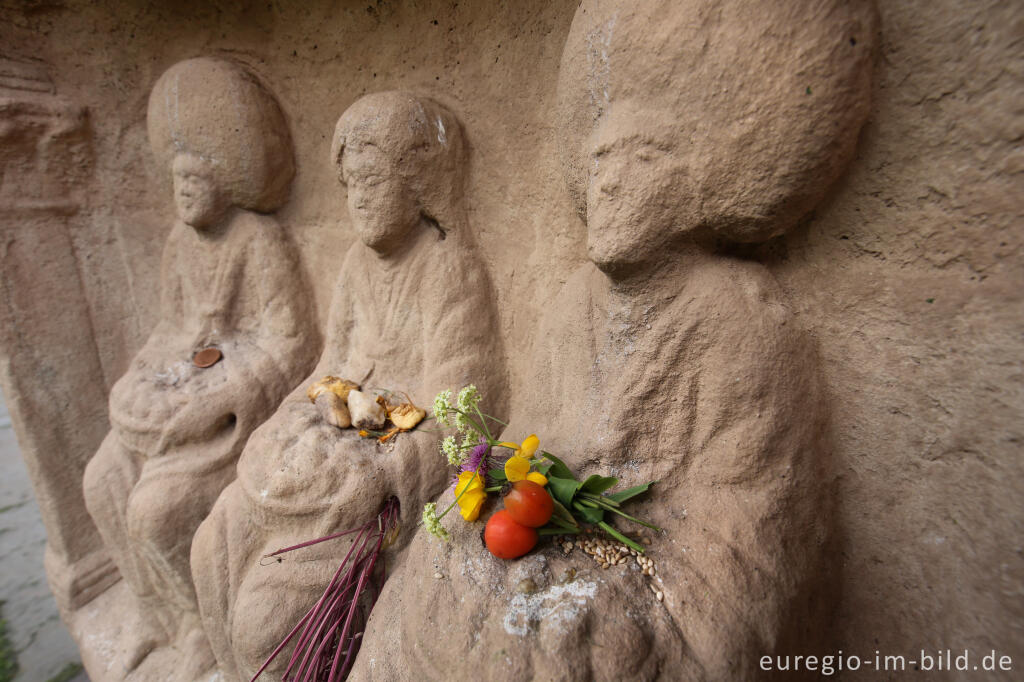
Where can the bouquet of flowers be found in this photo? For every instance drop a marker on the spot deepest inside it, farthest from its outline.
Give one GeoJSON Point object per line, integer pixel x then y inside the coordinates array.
{"type": "Point", "coordinates": [541, 494]}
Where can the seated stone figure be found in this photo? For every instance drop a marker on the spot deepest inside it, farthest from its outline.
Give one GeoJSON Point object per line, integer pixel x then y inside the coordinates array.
{"type": "Point", "coordinates": [232, 294]}
{"type": "Point", "coordinates": [412, 311]}
{"type": "Point", "coordinates": [687, 126]}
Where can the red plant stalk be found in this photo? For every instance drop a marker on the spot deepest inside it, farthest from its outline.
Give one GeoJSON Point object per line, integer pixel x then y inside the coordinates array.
{"type": "Point", "coordinates": [335, 623]}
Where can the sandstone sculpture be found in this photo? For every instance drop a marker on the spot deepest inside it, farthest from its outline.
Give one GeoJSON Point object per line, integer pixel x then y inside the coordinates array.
{"type": "Point", "coordinates": [47, 171]}
{"type": "Point", "coordinates": [412, 310]}
{"type": "Point", "coordinates": [235, 334]}
{"type": "Point", "coordinates": [685, 127]}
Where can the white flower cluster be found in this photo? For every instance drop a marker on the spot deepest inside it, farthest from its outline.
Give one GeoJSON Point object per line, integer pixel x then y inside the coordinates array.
{"type": "Point", "coordinates": [432, 523]}
{"type": "Point", "coordinates": [452, 452]}
{"type": "Point", "coordinates": [468, 399]}
{"type": "Point", "coordinates": [442, 406]}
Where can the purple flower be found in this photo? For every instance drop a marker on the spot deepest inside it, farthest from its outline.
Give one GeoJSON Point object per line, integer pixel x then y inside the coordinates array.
{"type": "Point", "coordinates": [478, 458]}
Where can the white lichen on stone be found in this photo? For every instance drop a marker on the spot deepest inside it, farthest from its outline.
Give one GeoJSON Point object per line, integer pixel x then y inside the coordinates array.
{"type": "Point", "coordinates": [556, 604]}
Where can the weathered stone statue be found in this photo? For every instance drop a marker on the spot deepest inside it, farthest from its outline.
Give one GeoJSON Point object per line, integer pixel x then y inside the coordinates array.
{"type": "Point", "coordinates": [235, 333]}
{"type": "Point", "coordinates": [686, 127]}
{"type": "Point", "coordinates": [412, 311]}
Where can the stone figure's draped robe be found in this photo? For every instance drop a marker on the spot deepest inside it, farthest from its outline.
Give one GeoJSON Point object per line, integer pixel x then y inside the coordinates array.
{"type": "Point", "coordinates": [178, 429]}
{"type": "Point", "coordinates": [419, 322]}
{"type": "Point", "coordinates": [709, 389]}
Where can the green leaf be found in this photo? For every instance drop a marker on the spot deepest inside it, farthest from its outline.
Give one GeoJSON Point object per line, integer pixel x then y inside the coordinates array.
{"type": "Point", "coordinates": [628, 493]}
{"type": "Point", "coordinates": [598, 484]}
{"type": "Point", "coordinates": [558, 467]}
{"type": "Point", "coordinates": [589, 514]}
{"type": "Point", "coordinates": [563, 489]}
{"type": "Point", "coordinates": [634, 519]}
{"type": "Point", "coordinates": [497, 474]}
{"type": "Point", "coordinates": [563, 516]}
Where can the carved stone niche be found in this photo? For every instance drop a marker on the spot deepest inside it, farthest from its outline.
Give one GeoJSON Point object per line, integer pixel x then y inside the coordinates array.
{"type": "Point", "coordinates": [685, 126]}
{"type": "Point", "coordinates": [402, 160]}
{"type": "Point", "coordinates": [49, 365]}
{"type": "Point", "coordinates": [235, 333]}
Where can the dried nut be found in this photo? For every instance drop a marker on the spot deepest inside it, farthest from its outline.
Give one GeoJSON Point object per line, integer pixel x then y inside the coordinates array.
{"type": "Point", "coordinates": [407, 415]}
{"type": "Point", "coordinates": [333, 409]}
{"type": "Point", "coordinates": [339, 387]}
{"type": "Point", "coordinates": [660, 595]}
{"type": "Point", "coordinates": [654, 589]}
{"type": "Point", "coordinates": [438, 576]}
{"type": "Point", "coordinates": [366, 412]}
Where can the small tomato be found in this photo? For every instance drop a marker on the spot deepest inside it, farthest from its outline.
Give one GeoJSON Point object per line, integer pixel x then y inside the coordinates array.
{"type": "Point", "coordinates": [529, 504]}
{"type": "Point", "coordinates": [507, 539]}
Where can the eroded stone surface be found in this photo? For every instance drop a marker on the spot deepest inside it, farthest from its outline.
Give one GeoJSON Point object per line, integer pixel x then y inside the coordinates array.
{"type": "Point", "coordinates": [689, 366]}
{"type": "Point", "coordinates": [230, 281]}
{"type": "Point", "coordinates": [412, 311]}
{"type": "Point", "coordinates": [907, 274]}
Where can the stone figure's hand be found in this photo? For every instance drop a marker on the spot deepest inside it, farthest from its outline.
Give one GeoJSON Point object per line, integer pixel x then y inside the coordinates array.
{"type": "Point", "coordinates": [139, 401]}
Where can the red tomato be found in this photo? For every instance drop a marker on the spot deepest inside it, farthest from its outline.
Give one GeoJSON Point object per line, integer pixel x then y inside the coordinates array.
{"type": "Point", "coordinates": [529, 504]}
{"type": "Point", "coordinates": [507, 539]}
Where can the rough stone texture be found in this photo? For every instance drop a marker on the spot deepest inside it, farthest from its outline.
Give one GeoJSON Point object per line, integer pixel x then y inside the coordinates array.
{"type": "Point", "coordinates": [907, 276]}
{"type": "Point", "coordinates": [231, 288]}
{"type": "Point", "coordinates": [687, 366]}
{"type": "Point", "coordinates": [412, 310]}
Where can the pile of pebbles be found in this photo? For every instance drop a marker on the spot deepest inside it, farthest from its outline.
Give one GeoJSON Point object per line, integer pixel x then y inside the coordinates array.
{"type": "Point", "coordinates": [608, 552]}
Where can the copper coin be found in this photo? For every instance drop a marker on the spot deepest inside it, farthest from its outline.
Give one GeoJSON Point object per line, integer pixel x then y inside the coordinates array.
{"type": "Point", "coordinates": [207, 357]}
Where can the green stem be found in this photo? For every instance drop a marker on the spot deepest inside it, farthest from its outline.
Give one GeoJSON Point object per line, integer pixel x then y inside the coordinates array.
{"type": "Point", "coordinates": [557, 531]}
{"type": "Point", "coordinates": [634, 519]}
{"type": "Point", "coordinates": [494, 489]}
{"type": "Point", "coordinates": [620, 537]}
{"type": "Point", "coordinates": [484, 422]}
{"type": "Point", "coordinates": [493, 418]}
{"type": "Point", "coordinates": [601, 500]}
{"type": "Point", "coordinates": [456, 501]}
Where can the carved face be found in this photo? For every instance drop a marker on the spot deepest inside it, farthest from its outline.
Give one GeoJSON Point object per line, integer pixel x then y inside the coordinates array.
{"type": "Point", "coordinates": [383, 208]}
{"type": "Point", "coordinates": [199, 201]}
{"type": "Point", "coordinates": [637, 192]}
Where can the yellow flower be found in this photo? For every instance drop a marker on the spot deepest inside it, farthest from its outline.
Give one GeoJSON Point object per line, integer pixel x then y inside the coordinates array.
{"type": "Point", "coordinates": [516, 468]}
{"type": "Point", "coordinates": [518, 465]}
{"type": "Point", "coordinates": [537, 477]}
{"type": "Point", "coordinates": [470, 495]}
{"type": "Point", "coordinates": [527, 449]}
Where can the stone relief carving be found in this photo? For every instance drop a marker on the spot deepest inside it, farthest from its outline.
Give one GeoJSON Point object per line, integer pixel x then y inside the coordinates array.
{"type": "Point", "coordinates": [45, 171]}
{"type": "Point", "coordinates": [412, 310]}
{"type": "Point", "coordinates": [236, 332]}
{"type": "Point", "coordinates": [685, 127]}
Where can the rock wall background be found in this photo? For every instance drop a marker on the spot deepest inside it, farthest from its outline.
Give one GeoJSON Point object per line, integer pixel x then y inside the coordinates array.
{"type": "Point", "coordinates": [911, 277]}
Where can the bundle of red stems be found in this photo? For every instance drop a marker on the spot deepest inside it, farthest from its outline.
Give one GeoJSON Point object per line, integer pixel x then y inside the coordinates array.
{"type": "Point", "coordinates": [330, 633]}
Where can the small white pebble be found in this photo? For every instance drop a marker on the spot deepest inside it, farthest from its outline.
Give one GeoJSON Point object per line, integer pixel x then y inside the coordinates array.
{"type": "Point", "coordinates": [660, 595]}
{"type": "Point", "coordinates": [438, 576]}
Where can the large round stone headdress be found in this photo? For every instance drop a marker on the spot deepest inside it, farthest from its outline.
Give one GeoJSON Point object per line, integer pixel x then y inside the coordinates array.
{"type": "Point", "coordinates": [763, 100]}
{"type": "Point", "coordinates": [218, 111]}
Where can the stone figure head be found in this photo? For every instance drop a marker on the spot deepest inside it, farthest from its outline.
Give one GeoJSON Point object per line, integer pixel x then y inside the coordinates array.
{"type": "Point", "coordinates": [401, 158]}
{"type": "Point", "coordinates": [725, 118]}
{"type": "Point", "coordinates": [224, 138]}
{"type": "Point", "coordinates": [197, 195]}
